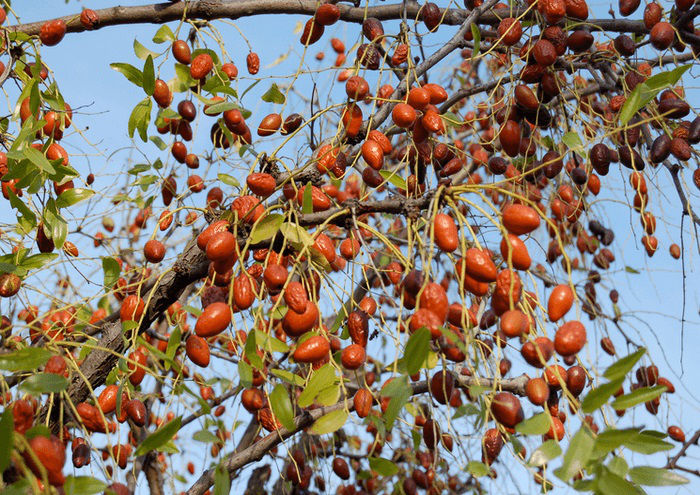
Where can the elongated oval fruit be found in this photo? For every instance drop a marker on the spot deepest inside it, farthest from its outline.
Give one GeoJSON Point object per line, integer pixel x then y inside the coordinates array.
{"type": "Point", "coordinates": [570, 338]}
{"type": "Point", "coordinates": [560, 301]}
{"type": "Point", "coordinates": [362, 401]}
{"type": "Point", "coordinates": [509, 137]}
{"type": "Point", "coordinates": [270, 124]}
{"type": "Point", "coordinates": [403, 115]}
{"type": "Point", "coordinates": [312, 350]}
{"type": "Point", "coordinates": [373, 154]}
{"type": "Point", "coordinates": [197, 350]}
{"type": "Point", "coordinates": [480, 266]}
{"type": "Point", "coordinates": [205, 236]}
{"type": "Point", "coordinates": [296, 324]}
{"type": "Point", "coordinates": [506, 409]}
{"type": "Point", "coordinates": [221, 246]}
{"type": "Point", "coordinates": [353, 356]}
{"type": "Point", "coordinates": [107, 400]}
{"type": "Point", "coordinates": [520, 219]}
{"type": "Point", "coordinates": [261, 184]}
{"type": "Point", "coordinates": [514, 249]}
{"type": "Point", "coordinates": [132, 308]}
{"type": "Point", "coordinates": [213, 320]}
{"type": "Point", "coordinates": [446, 234]}
{"type": "Point", "coordinates": [295, 297]}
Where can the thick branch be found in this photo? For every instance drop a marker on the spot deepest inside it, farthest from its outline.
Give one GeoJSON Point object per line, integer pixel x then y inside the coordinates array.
{"type": "Point", "coordinates": [210, 10]}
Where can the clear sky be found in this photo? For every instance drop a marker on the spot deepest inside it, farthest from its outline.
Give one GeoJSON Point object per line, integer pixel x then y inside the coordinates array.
{"type": "Point", "coordinates": [652, 301]}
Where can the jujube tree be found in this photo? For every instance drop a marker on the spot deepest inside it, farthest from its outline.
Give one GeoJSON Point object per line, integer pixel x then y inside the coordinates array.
{"type": "Point", "coordinates": [396, 275]}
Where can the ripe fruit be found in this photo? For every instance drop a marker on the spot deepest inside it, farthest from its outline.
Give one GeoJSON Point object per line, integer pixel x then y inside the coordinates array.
{"type": "Point", "coordinates": [327, 14]}
{"type": "Point", "coordinates": [270, 124]}
{"type": "Point", "coordinates": [132, 308]}
{"type": "Point", "coordinates": [514, 249]}
{"type": "Point", "coordinates": [154, 251]}
{"type": "Point", "coordinates": [181, 52]}
{"type": "Point", "coordinates": [676, 434]}
{"type": "Point", "coordinates": [136, 410]}
{"type": "Point", "coordinates": [52, 32]}
{"type": "Point", "coordinates": [197, 350]}
{"type": "Point", "coordinates": [201, 66]}
{"type": "Point", "coordinates": [244, 289]}
{"type": "Point", "coordinates": [222, 246]}
{"type": "Point", "coordinates": [373, 154]}
{"type": "Point", "coordinates": [253, 63]}
{"type": "Point", "coordinates": [479, 265]}
{"type": "Point", "coordinates": [312, 350]}
{"type": "Point", "coordinates": [362, 401]}
{"type": "Point", "coordinates": [560, 301]}
{"type": "Point", "coordinates": [312, 32]}
{"type": "Point", "coordinates": [107, 399]}
{"type": "Point", "coordinates": [296, 324]}
{"type": "Point", "coordinates": [520, 219]}
{"type": "Point", "coordinates": [506, 409]}
{"type": "Point", "coordinates": [51, 453]}
{"type": "Point", "coordinates": [510, 30]}
{"type": "Point", "coordinates": [537, 391]}
{"type": "Point", "coordinates": [570, 338]}
{"type": "Point", "coordinates": [162, 94]}
{"type": "Point", "coordinates": [89, 19]}
{"type": "Point", "coordinates": [514, 323]}
{"type": "Point", "coordinates": [353, 357]}
{"type": "Point", "coordinates": [509, 136]}
{"type": "Point", "coordinates": [357, 88]}
{"type": "Point", "coordinates": [441, 386]}
{"type": "Point", "coordinates": [213, 320]}
{"type": "Point", "coordinates": [358, 327]}
{"type": "Point", "coordinates": [403, 115]}
{"type": "Point", "coordinates": [445, 232]}
{"type": "Point", "coordinates": [341, 469]}
{"type": "Point", "coordinates": [662, 35]}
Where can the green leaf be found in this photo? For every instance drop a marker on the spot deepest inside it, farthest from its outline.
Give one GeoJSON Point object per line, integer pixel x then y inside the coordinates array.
{"type": "Point", "coordinates": [629, 269]}
{"type": "Point", "coordinates": [272, 95]}
{"type": "Point", "coordinates": [266, 228]}
{"type": "Point", "coordinates": [26, 359]}
{"type": "Point", "coordinates": [400, 391]}
{"type": "Point", "coordinates": [149, 76]}
{"type": "Point", "coordinates": [307, 205]}
{"type": "Point", "coordinates": [651, 476]}
{"type": "Point", "coordinates": [478, 469]}
{"type": "Point", "coordinates": [638, 396]}
{"type": "Point", "coordinates": [219, 107]}
{"type": "Point", "coordinates": [546, 452]}
{"type": "Point", "coordinates": [643, 93]}
{"type": "Point", "coordinates": [228, 180]}
{"type": "Point", "coordinates": [610, 483]}
{"type": "Point", "coordinates": [572, 140]}
{"type": "Point", "coordinates": [269, 343]}
{"type": "Point", "coordinates": [160, 437]}
{"type": "Point", "coordinates": [647, 442]}
{"type": "Point", "coordinates": [417, 349]}
{"type": "Point", "coordinates": [618, 466]}
{"type": "Point", "coordinates": [329, 423]}
{"type": "Point", "coordinates": [130, 72]}
{"type": "Point", "coordinates": [139, 119]}
{"type": "Point", "coordinates": [44, 383]}
{"type": "Point", "coordinates": [600, 395]}
{"type": "Point", "coordinates": [322, 378]}
{"type": "Point", "coordinates": [611, 439]}
{"type": "Point", "coordinates": [245, 373]}
{"type": "Point", "coordinates": [282, 406]}
{"type": "Point", "coordinates": [205, 436]}
{"type": "Point", "coordinates": [394, 179]}
{"type": "Point", "coordinates": [222, 482]}
{"type": "Point", "coordinates": [536, 425]}
{"type": "Point", "coordinates": [163, 34]}
{"type": "Point", "coordinates": [296, 234]}
{"type": "Point", "coordinates": [184, 77]}
{"type": "Point", "coordinates": [289, 377]}
{"type": "Point", "coordinates": [22, 208]}
{"type": "Point", "coordinates": [72, 196]}
{"type": "Point", "coordinates": [37, 261]}
{"type": "Point", "coordinates": [6, 441]}
{"type": "Point", "coordinates": [623, 366]}
{"type": "Point", "coordinates": [39, 159]}
{"type": "Point", "coordinates": [83, 485]}
{"type": "Point", "coordinates": [173, 345]}
{"type": "Point", "coordinates": [111, 270]}
{"type": "Point", "coordinates": [142, 52]}
{"type": "Point", "coordinates": [476, 33]}
{"type": "Point", "coordinates": [384, 467]}
{"type": "Point", "coordinates": [576, 455]}
{"type": "Point", "coordinates": [55, 226]}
